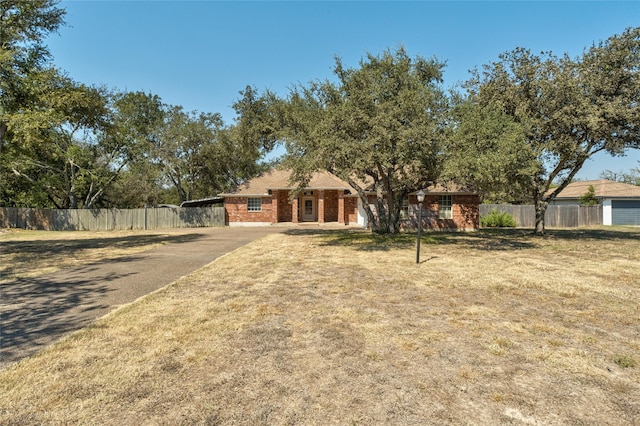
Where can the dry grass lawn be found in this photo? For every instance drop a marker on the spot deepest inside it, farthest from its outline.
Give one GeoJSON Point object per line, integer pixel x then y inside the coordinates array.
{"type": "Point", "coordinates": [342, 327]}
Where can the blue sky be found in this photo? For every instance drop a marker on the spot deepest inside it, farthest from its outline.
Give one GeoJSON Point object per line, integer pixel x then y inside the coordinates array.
{"type": "Point", "coordinates": [201, 54]}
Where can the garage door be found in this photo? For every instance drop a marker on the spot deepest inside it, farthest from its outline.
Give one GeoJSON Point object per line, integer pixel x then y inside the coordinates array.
{"type": "Point", "coordinates": [625, 212]}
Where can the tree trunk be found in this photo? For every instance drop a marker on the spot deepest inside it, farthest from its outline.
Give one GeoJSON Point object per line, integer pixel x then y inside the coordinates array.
{"type": "Point", "coordinates": [73, 199]}
{"type": "Point", "coordinates": [364, 199]}
{"type": "Point", "coordinates": [3, 131]}
{"type": "Point", "coordinates": [393, 215]}
{"type": "Point", "coordinates": [395, 205]}
{"type": "Point", "coordinates": [541, 208]}
{"type": "Point", "coordinates": [382, 224]}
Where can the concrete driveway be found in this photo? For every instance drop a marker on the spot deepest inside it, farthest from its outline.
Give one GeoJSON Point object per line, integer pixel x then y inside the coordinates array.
{"type": "Point", "coordinates": [38, 311]}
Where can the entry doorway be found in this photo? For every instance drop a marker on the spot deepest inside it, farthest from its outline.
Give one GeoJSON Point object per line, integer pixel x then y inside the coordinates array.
{"type": "Point", "coordinates": [308, 209]}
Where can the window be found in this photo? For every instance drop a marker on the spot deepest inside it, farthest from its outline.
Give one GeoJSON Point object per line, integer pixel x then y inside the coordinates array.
{"type": "Point", "coordinates": [254, 204]}
{"type": "Point", "coordinates": [444, 207]}
{"type": "Point", "coordinates": [404, 211]}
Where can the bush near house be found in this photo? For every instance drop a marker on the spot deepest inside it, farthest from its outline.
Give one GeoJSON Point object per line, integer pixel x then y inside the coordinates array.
{"type": "Point", "coordinates": [589, 197]}
{"type": "Point", "coordinates": [498, 219]}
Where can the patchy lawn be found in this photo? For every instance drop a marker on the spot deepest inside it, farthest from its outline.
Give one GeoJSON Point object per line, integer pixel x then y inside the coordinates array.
{"type": "Point", "coordinates": [342, 327]}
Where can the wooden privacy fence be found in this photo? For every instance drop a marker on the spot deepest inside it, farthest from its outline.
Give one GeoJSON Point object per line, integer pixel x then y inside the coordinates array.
{"type": "Point", "coordinates": [111, 219]}
{"type": "Point", "coordinates": [554, 217]}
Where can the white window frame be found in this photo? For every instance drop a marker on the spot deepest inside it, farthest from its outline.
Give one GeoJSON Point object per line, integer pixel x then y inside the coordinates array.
{"type": "Point", "coordinates": [445, 207]}
{"type": "Point", "coordinates": [253, 205]}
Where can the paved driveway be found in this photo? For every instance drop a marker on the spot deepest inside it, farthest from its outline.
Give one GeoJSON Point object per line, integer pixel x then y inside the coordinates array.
{"type": "Point", "coordinates": [36, 312]}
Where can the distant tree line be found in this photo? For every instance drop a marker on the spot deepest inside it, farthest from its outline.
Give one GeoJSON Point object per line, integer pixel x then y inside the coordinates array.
{"type": "Point", "coordinates": [632, 177]}
{"type": "Point", "coordinates": [517, 131]}
{"type": "Point", "coordinates": [64, 144]}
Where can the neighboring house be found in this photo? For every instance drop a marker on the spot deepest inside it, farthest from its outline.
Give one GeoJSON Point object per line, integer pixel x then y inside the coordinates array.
{"type": "Point", "coordinates": [620, 201]}
{"type": "Point", "coordinates": [264, 200]}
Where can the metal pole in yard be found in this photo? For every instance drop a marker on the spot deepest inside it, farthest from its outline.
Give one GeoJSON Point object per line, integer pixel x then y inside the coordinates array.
{"type": "Point", "coordinates": [420, 196]}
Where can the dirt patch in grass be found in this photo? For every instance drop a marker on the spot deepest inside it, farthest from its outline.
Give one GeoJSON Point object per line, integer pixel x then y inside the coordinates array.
{"type": "Point", "coordinates": [27, 254]}
{"type": "Point", "coordinates": [335, 327]}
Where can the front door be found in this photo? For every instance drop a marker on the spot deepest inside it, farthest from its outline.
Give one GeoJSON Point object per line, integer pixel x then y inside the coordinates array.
{"type": "Point", "coordinates": [308, 209]}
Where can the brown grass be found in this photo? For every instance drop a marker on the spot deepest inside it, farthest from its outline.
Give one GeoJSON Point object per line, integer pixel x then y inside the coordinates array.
{"type": "Point", "coordinates": [27, 254]}
{"type": "Point", "coordinates": [494, 327]}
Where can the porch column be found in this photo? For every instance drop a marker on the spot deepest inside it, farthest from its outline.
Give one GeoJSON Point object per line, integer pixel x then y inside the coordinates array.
{"type": "Point", "coordinates": [320, 206]}
{"type": "Point", "coordinates": [274, 207]}
{"type": "Point", "coordinates": [341, 218]}
{"type": "Point", "coordinates": [294, 210]}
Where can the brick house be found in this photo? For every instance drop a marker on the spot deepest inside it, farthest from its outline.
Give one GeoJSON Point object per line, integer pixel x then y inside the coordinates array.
{"type": "Point", "coordinates": [264, 200]}
{"type": "Point", "coordinates": [445, 208]}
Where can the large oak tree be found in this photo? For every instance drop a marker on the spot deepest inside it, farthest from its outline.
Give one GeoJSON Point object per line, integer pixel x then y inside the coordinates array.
{"type": "Point", "coordinates": [24, 59]}
{"type": "Point", "coordinates": [569, 109]}
{"type": "Point", "coordinates": [379, 126]}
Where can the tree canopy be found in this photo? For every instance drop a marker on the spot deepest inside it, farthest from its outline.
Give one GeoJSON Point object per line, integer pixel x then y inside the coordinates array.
{"type": "Point", "coordinates": [66, 144]}
{"type": "Point", "coordinates": [521, 132]}
{"type": "Point", "coordinates": [569, 109]}
{"type": "Point", "coordinates": [487, 150]}
{"type": "Point", "coordinates": [24, 59]}
{"type": "Point", "coordinates": [380, 127]}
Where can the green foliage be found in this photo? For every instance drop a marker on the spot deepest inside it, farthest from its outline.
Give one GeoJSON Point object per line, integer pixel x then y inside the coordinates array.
{"type": "Point", "coordinates": [384, 127]}
{"type": "Point", "coordinates": [380, 127]}
{"type": "Point", "coordinates": [68, 145]}
{"type": "Point", "coordinates": [24, 24]}
{"type": "Point", "coordinates": [497, 219]}
{"type": "Point", "coordinates": [51, 144]}
{"type": "Point", "coordinates": [589, 197]}
{"type": "Point", "coordinates": [577, 94]}
{"type": "Point", "coordinates": [487, 150]}
{"type": "Point", "coordinates": [200, 156]}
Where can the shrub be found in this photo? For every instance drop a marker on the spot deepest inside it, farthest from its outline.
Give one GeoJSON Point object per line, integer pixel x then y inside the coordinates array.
{"type": "Point", "coordinates": [589, 197]}
{"type": "Point", "coordinates": [498, 219]}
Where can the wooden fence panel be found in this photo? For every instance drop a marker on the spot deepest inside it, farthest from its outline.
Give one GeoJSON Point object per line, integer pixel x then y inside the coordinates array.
{"type": "Point", "coordinates": [111, 219]}
{"type": "Point", "coordinates": [555, 216]}
{"type": "Point", "coordinates": [590, 215]}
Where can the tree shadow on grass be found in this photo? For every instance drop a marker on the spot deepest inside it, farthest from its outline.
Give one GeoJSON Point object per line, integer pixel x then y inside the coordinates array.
{"type": "Point", "coordinates": [608, 234]}
{"type": "Point", "coordinates": [360, 239]}
{"type": "Point", "coordinates": [35, 312]}
{"type": "Point", "coordinates": [485, 239]}
{"type": "Point", "coordinates": [24, 251]}
{"type": "Point", "coordinates": [369, 241]}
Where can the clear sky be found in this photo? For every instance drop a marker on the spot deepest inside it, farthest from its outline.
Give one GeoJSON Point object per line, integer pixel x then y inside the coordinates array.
{"type": "Point", "coordinates": [201, 54]}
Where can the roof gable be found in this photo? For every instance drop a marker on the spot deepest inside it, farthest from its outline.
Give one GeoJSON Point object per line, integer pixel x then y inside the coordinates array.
{"type": "Point", "coordinates": [276, 179]}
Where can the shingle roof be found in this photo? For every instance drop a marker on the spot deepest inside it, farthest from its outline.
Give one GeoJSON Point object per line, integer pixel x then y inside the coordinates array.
{"type": "Point", "coordinates": [279, 179]}
{"type": "Point", "coordinates": [449, 188]}
{"type": "Point", "coordinates": [603, 188]}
